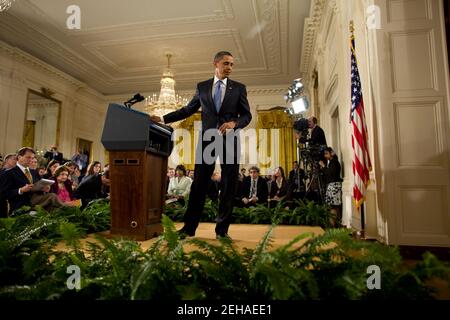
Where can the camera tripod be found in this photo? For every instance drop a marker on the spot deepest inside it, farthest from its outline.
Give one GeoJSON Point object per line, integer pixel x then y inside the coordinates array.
{"type": "Point", "coordinates": [311, 167]}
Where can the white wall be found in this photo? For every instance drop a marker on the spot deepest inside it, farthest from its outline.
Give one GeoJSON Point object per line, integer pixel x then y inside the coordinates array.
{"type": "Point", "coordinates": [404, 72]}
{"type": "Point", "coordinates": [82, 109]}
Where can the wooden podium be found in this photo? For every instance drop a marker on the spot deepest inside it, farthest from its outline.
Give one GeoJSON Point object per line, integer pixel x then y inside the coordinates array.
{"type": "Point", "coordinates": [138, 152]}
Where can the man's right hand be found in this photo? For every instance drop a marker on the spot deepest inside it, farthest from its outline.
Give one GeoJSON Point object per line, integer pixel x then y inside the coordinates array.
{"type": "Point", "coordinates": [155, 118]}
{"type": "Point", "coordinates": [26, 188]}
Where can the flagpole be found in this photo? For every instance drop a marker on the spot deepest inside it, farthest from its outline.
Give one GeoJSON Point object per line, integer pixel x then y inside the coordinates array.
{"type": "Point", "coordinates": [361, 208]}
{"type": "Point", "coordinates": [363, 222]}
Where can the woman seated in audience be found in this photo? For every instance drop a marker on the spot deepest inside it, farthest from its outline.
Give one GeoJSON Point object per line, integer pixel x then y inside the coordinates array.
{"type": "Point", "coordinates": [51, 167]}
{"type": "Point", "coordinates": [91, 187]}
{"type": "Point", "coordinates": [76, 177]}
{"type": "Point", "coordinates": [278, 187]}
{"type": "Point", "coordinates": [179, 186]}
{"type": "Point", "coordinates": [93, 169]}
{"type": "Point", "coordinates": [63, 187]}
{"type": "Point", "coordinates": [42, 171]}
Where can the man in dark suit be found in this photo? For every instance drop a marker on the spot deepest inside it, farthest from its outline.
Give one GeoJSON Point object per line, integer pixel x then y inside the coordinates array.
{"type": "Point", "coordinates": [296, 183]}
{"type": "Point", "coordinates": [317, 133]}
{"type": "Point", "coordinates": [54, 154]}
{"type": "Point", "coordinates": [254, 189]}
{"type": "Point", "coordinates": [17, 182]}
{"type": "Point", "coordinates": [9, 163]}
{"type": "Point", "coordinates": [224, 108]}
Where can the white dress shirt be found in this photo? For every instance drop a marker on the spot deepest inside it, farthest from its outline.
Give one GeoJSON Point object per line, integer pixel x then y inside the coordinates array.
{"type": "Point", "coordinates": [223, 88]}
{"type": "Point", "coordinates": [23, 170]}
{"type": "Point", "coordinates": [179, 187]}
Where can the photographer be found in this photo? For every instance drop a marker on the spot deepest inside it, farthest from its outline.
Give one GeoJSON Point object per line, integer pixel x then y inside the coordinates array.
{"type": "Point", "coordinates": [332, 173]}
{"type": "Point", "coordinates": [317, 133]}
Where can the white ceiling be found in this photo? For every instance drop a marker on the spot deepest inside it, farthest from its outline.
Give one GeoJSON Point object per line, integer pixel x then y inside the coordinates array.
{"type": "Point", "coordinates": [121, 46]}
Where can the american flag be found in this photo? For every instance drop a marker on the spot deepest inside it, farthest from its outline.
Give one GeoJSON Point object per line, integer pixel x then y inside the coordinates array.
{"type": "Point", "coordinates": [361, 159]}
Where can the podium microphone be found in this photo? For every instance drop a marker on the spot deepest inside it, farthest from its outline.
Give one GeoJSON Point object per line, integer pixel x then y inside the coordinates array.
{"type": "Point", "coordinates": [137, 98]}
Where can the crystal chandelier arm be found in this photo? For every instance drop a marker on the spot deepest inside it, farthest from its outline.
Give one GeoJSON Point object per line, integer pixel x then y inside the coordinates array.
{"type": "Point", "coordinates": [184, 112]}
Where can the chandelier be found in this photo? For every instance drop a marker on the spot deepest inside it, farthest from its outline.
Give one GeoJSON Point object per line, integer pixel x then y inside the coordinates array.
{"type": "Point", "coordinates": [5, 4]}
{"type": "Point", "coordinates": [168, 100]}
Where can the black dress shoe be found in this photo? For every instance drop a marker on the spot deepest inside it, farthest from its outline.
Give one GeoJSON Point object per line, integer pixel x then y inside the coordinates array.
{"type": "Point", "coordinates": [223, 236]}
{"type": "Point", "coordinates": [183, 233]}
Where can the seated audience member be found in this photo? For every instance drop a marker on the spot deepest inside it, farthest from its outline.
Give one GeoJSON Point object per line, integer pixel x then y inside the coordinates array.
{"type": "Point", "coordinates": [71, 168]}
{"type": "Point", "coordinates": [82, 174]}
{"type": "Point", "coordinates": [93, 169]}
{"type": "Point", "coordinates": [296, 183]}
{"type": "Point", "coordinates": [180, 185]}
{"type": "Point", "coordinates": [243, 171]}
{"type": "Point", "coordinates": [214, 187]}
{"type": "Point", "coordinates": [90, 189]}
{"type": "Point", "coordinates": [278, 188]}
{"type": "Point", "coordinates": [9, 162]}
{"type": "Point", "coordinates": [170, 175]}
{"type": "Point", "coordinates": [76, 177]}
{"type": "Point", "coordinates": [51, 167]}
{"type": "Point", "coordinates": [105, 182]}
{"type": "Point", "coordinates": [254, 189]}
{"type": "Point", "coordinates": [191, 174]}
{"type": "Point", "coordinates": [17, 185]}
{"type": "Point", "coordinates": [34, 164]}
{"type": "Point", "coordinates": [63, 186]}
{"type": "Point", "coordinates": [42, 171]}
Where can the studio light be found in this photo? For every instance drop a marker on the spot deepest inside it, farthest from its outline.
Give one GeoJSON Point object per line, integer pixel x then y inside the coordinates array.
{"type": "Point", "coordinates": [300, 105]}
{"type": "Point", "coordinates": [296, 99]}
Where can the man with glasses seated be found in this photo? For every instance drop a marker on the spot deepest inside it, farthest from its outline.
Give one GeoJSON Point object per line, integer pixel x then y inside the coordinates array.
{"type": "Point", "coordinates": [254, 189]}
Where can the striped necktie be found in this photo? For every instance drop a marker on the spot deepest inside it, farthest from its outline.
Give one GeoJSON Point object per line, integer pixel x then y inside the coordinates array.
{"type": "Point", "coordinates": [218, 96]}
{"type": "Point", "coordinates": [28, 175]}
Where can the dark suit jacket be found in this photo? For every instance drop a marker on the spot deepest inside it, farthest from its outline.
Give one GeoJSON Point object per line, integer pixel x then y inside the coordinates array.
{"type": "Point", "coordinates": [318, 136]}
{"type": "Point", "coordinates": [10, 183]}
{"type": "Point", "coordinates": [89, 189]}
{"type": "Point", "coordinates": [235, 107]}
{"type": "Point", "coordinates": [332, 171]}
{"type": "Point", "coordinates": [262, 191]}
{"type": "Point", "coordinates": [51, 156]}
{"type": "Point", "coordinates": [274, 191]}
{"type": "Point", "coordinates": [3, 201]}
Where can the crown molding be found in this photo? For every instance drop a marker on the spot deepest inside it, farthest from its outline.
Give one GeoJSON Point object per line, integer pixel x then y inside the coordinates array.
{"type": "Point", "coordinates": [312, 25]}
{"type": "Point", "coordinates": [23, 57]}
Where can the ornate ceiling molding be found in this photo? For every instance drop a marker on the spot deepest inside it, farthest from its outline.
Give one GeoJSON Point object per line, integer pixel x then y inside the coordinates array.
{"type": "Point", "coordinates": [312, 24]}
{"type": "Point", "coordinates": [225, 13]}
{"type": "Point", "coordinates": [51, 47]}
{"type": "Point", "coordinates": [266, 91]}
{"type": "Point", "coordinates": [23, 57]}
{"type": "Point", "coordinates": [96, 47]}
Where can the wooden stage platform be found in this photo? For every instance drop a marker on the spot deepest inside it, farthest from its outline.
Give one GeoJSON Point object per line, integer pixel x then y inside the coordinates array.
{"type": "Point", "coordinates": [243, 235]}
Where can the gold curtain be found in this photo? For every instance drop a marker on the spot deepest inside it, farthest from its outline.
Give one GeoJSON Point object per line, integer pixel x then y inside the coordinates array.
{"type": "Point", "coordinates": [29, 133]}
{"type": "Point", "coordinates": [277, 125]}
{"type": "Point", "coordinates": [188, 124]}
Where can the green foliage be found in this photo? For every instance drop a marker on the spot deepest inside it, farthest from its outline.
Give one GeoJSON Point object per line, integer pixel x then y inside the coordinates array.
{"type": "Point", "coordinates": [329, 266]}
{"type": "Point", "coordinates": [304, 213]}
